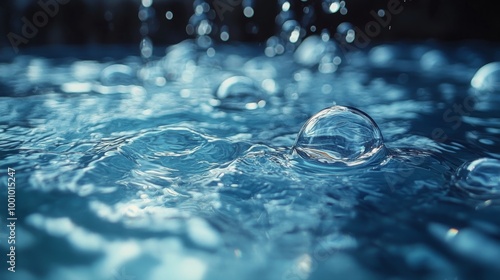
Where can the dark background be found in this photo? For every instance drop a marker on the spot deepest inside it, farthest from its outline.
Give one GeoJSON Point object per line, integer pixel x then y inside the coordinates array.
{"type": "Point", "coordinates": [93, 22]}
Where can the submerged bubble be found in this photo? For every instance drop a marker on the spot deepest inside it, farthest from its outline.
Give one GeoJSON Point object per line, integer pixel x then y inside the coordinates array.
{"type": "Point", "coordinates": [479, 177]}
{"type": "Point", "coordinates": [487, 78]}
{"type": "Point", "coordinates": [240, 92]}
{"type": "Point", "coordinates": [339, 135]}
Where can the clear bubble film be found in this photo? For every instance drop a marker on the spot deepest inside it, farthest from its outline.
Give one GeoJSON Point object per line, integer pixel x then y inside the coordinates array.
{"type": "Point", "coordinates": [479, 178]}
{"type": "Point", "coordinates": [339, 135]}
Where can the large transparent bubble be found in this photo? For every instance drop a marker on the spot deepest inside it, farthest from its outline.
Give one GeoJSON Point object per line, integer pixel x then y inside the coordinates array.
{"type": "Point", "coordinates": [339, 136]}
{"type": "Point", "coordinates": [479, 178]}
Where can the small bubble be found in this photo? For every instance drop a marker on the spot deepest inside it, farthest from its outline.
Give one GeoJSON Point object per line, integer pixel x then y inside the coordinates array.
{"type": "Point", "coordinates": [198, 10]}
{"type": "Point", "coordinates": [480, 177]}
{"type": "Point", "coordinates": [210, 52]}
{"type": "Point", "coordinates": [248, 12]}
{"type": "Point", "coordinates": [291, 31]}
{"type": "Point", "coordinates": [383, 55]}
{"type": "Point", "coordinates": [169, 15]}
{"type": "Point", "coordinates": [326, 88]}
{"type": "Point", "coordinates": [331, 6]}
{"type": "Point", "coordinates": [346, 32]}
{"type": "Point", "coordinates": [487, 78]}
{"type": "Point", "coordinates": [224, 34]}
{"type": "Point", "coordinates": [117, 74]}
{"type": "Point", "coordinates": [310, 51]}
{"type": "Point", "coordinates": [239, 92]}
{"type": "Point", "coordinates": [147, 3]}
{"type": "Point", "coordinates": [204, 28]}
{"type": "Point", "coordinates": [339, 135]}
{"type": "Point", "coordinates": [285, 7]}
{"type": "Point", "coordinates": [146, 48]}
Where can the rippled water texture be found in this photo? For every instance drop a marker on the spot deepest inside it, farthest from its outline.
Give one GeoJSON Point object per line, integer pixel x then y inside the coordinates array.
{"type": "Point", "coordinates": [235, 165]}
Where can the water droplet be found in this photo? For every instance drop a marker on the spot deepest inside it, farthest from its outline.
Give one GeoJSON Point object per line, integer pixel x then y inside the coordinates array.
{"type": "Point", "coordinates": [487, 78]}
{"type": "Point", "coordinates": [480, 177]}
{"type": "Point", "coordinates": [285, 6]}
{"type": "Point", "coordinates": [339, 135]}
{"type": "Point", "coordinates": [248, 12]}
{"type": "Point", "coordinates": [147, 3]}
{"type": "Point", "coordinates": [291, 31]}
{"type": "Point", "coordinates": [433, 59]}
{"type": "Point", "coordinates": [311, 50]}
{"type": "Point", "coordinates": [331, 6]}
{"type": "Point", "coordinates": [146, 48]}
{"type": "Point", "coordinates": [169, 15]}
{"type": "Point", "coordinates": [345, 32]}
{"type": "Point", "coordinates": [224, 33]}
{"type": "Point", "coordinates": [239, 92]}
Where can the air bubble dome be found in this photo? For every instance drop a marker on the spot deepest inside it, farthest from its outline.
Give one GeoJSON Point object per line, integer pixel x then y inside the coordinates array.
{"type": "Point", "coordinates": [487, 78]}
{"type": "Point", "coordinates": [239, 93]}
{"type": "Point", "coordinates": [339, 136]}
{"type": "Point", "coordinates": [479, 177]}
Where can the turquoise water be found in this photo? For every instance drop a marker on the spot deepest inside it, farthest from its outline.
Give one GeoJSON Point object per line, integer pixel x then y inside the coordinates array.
{"type": "Point", "coordinates": [191, 165]}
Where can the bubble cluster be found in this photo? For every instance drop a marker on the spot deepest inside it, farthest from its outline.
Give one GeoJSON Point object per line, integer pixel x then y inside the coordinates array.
{"type": "Point", "coordinates": [480, 177]}
{"type": "Point", "coordinates": [239, 93]}
{"type": "Point", "coordinates": [340, 136]}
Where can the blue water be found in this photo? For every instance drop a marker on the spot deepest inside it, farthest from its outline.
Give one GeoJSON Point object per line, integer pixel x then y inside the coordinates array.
{"type": "Point", "coordinates": [191, 165]}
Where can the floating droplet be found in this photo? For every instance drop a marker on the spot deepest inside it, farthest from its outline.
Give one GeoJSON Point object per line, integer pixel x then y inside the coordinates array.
{"type": "Point", "coordinates": [239, 92]}
{"type": "Point", "coordinates": [339, 135]}
{"type": "Point", "coordinates": [480, 177]}
{"type": "Point", "coordinates": [345, 32]}
{"type": "Point", "coordinates": [331, 6]}
{"type": "Point", "coordinates": [146, 48]}
{"type": "Point", "coordinates": [117, 74]}
{"type": "Point", "coordinates": [292, 32]}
